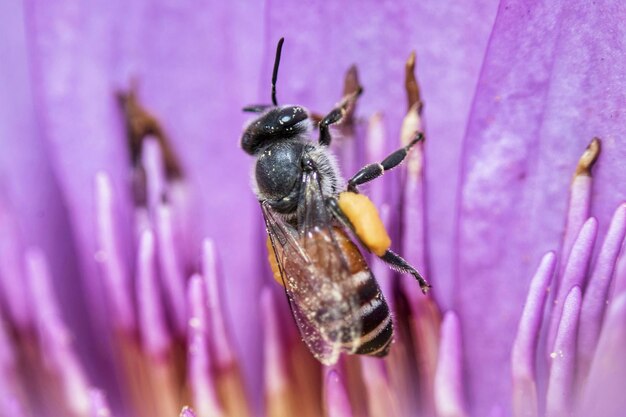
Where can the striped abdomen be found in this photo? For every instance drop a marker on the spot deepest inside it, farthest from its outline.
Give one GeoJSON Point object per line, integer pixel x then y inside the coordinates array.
{"type": "Point", "coordinates": [376, 322]}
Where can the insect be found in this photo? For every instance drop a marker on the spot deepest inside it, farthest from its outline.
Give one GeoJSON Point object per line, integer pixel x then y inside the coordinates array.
{"type": "Point", "coordinates": [334, 297]}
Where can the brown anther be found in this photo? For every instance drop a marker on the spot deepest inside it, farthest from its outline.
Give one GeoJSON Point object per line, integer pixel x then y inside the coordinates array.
{"type": "Point", "coordinates": [411, 85]}
{"type": "Point", "coordinates": [140, 124]}
{"type": "Point", "coordinates": [351, 92]}
{"type": "Point", "coordinates": [588, 158]}
{"type": "Point", "coordinates": [351, 81]}
{"type": "Point", "coordinates": [317, 118]}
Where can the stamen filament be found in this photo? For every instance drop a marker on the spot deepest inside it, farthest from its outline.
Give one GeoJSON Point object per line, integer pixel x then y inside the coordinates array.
{"type": "Point", "coordinates": [278, 394]}
{"type": "Point", "coordinates": [187, 412]}
{"type": "Point", "coordinates": [99, 404]}
{"type": "Point", "coordinates": [524, 352]}
{"type": "Point", "coordinates": [574, 275]}
{"type": "Point", "coordinates": [152, 162]}
{"type": "Point", "coordinates": [155, 337]}
{"type": "Point", "coordinates": [449, 397]}
{"type": "Point", "coordinates": [170, 268]}
{"type": "Point", "coordinates": [115, 275]}
{"type": "Point", "coordinates": [55, 338]}
{"type": "Point", "coordinates": [335, 396]}
{"type": "Point", "coordinates": [597, 291]}
{"type": "Point", "coordinates": [221, 340]}
{"type": "Point", "coordinates": [203, 388]}
{"type": "Point", "coordinates": [579, 202]}
{"type": "Point", "coordinates": [381, 399]}
{"type": "Point", "coordinates": [603, 394]}
{"type": "Point", "coordinates": [560, 394]}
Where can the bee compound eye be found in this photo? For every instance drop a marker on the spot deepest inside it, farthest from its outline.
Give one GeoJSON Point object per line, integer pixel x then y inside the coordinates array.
{"type": "Point", "coordinates": [290, 116]}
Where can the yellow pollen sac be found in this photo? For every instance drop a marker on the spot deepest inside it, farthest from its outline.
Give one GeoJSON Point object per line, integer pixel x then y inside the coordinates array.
{"type": "Point", "coordinates": [367, 223]}
{"type": "Point", "coordinates": [271, 257]}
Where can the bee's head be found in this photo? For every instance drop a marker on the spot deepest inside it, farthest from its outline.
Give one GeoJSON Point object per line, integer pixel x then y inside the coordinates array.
{"type": "Point", "coordinates": [274, 124]}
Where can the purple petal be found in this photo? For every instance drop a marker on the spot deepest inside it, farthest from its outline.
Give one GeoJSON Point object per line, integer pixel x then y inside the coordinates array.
{"type": "Point", "coordinates": [28, 186]}
{"type": "Point", "coordinates": [155, 336]}
{"type": "Point", "coordinates": [7, 356]}
{"type": "Point", "coordinates": [13, 291]}
{"type": "Point", "coordinates": [71, 60]}
{"type": "Point", "coordinates": [597, 291]}
{"type": "Point", "coordinates": [550, 82]}
{"type": "Point", "coordinates": [560, 396]}
{"type": "Point", "coordinates": [336, 396]}
{"type": "Point", "coordinates": [8, 384]}
{"type": "Point", "coordinates": [524, 352]}
{"type": "Point", "coordinates": [603, 395]}
{"type": "Point", "coordinates": [449, 396]}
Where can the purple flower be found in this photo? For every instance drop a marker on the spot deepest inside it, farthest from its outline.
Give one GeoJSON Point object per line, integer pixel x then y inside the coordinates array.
{"type": "Point", "coordinates": [133, 269]}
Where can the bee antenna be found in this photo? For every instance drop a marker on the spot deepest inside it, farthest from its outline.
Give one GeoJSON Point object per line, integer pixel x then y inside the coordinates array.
{"type": "Point", "coordinates": [279, 49]}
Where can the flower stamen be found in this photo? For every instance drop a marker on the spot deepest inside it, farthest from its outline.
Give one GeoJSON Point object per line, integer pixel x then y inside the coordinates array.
{"type": "Point", "coordinates": [524, 352]}
{"type": "Point", "coordinates": [559, 397]}
{"type": "Point", "coordinates": [199, 370]}
{"type": "Point", "coordinates": [140, 123]}
{"type": "Point", "coordinates": [597, 291]}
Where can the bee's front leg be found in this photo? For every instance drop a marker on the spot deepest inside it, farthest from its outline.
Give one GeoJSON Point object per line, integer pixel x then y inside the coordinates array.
{"type": "Point", "coordinates": [336, 115]}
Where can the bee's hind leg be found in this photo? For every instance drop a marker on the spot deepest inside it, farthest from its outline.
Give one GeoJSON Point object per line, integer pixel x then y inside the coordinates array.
{"type": "Point", "coordinates": [374, 239]}
{"type": "Point", "coordinates": [397, 263]}
{"type": "Point", "coordinates": [375, 170]}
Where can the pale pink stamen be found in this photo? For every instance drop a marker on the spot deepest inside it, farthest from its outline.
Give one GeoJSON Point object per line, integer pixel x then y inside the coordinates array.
{"type": "Point", "coordinates": [113, 264]}
{"type": "Point", "coordinates": [55, 338]}
{"type": "Point", "coordinates": [597, 292]}
{"type": "Point", "coordinates": [200, 377]}
{"type": "Point", "coordinates": [155, 336]}
{"type": "Point", "coordinates": [449, 396]}
{"type": "Point", "coordinates": [524, 353]}
{"type": "Point", "coordinates": [560, 395]}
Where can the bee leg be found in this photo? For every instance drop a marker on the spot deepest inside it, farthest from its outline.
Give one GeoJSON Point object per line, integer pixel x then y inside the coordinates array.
{"type": "Point", "coordinates": [335, 116]}
{"type": "Point", "coordinates": [373, 171]}
{"type": "Point", "coordinates": [397, 263]}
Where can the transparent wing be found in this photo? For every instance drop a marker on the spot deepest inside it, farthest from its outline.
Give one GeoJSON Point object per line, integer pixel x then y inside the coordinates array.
{"type": "Point", "coordinates": [317, 277]}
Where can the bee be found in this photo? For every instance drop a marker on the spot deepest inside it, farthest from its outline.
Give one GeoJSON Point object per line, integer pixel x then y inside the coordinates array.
{"type": "Point", "coordinates": [308, 210]}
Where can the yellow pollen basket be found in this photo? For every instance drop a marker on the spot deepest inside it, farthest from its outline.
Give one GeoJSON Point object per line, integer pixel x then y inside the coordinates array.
{"type": "Point", "coordinates": [271, 257]}
{"type": "Point", "coordinates": [367, 223]}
